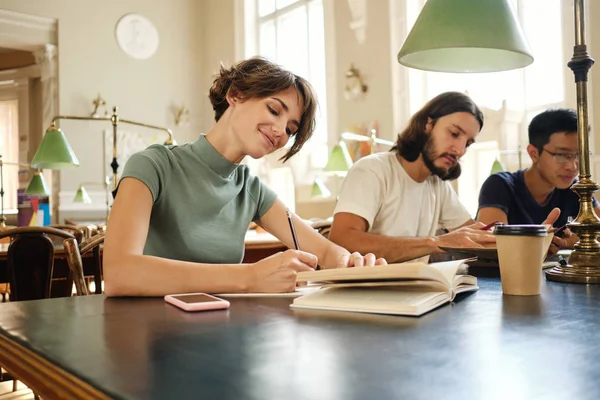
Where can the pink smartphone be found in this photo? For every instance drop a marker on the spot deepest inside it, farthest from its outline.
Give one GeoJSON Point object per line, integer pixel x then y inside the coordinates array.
{"type": "Point", "coordinates": [196, 301]}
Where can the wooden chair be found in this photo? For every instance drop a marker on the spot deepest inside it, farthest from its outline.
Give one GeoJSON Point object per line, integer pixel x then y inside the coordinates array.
{"type": "Point", "coordinates": [31, 261]}
{"type": "Point", "coordinates": [89, 230]}
{"type": "Point", "coordinates": [77, 231]}
{"type": "Point", "coordinates": [74, 253]}
{"type": "Point", "coordinates": [30, 265]}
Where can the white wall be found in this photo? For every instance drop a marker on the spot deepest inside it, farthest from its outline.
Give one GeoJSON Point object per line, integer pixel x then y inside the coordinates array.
{"type": "Point", "coordinates": [90, 62]}
{"type": "Point", "coordinates": [218, 32]}
{"type": "Point", "coordinates": [372, 58]}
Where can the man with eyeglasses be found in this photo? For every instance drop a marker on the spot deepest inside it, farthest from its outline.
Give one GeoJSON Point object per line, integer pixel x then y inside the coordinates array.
{"type": "Point", "coordinates": [541, 193]}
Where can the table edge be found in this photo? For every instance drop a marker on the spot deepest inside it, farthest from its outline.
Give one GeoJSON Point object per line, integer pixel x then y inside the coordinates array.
{"type": "Point", "coordinates": [41, 376]}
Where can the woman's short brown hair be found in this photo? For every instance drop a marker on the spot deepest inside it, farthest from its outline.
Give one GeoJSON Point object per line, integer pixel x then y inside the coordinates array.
{"type": "Point", "coordinates": [411, 141]}
{"type": "Point", "coordinates": [258, 77]}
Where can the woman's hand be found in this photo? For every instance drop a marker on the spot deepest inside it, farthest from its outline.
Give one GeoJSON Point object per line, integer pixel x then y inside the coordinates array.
{"type": "Point", "coordinates": [277, 273]}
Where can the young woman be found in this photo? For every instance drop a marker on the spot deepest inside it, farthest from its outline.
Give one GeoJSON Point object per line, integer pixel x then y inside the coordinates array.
{"type": "Point", "coordinates": [179, 219]}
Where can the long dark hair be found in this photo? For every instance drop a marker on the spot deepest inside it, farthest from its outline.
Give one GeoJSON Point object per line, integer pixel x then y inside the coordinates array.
{"type": "Point", "coordinates": [258, 77]}
{"type": "Point", "coordinates": [411, 142]}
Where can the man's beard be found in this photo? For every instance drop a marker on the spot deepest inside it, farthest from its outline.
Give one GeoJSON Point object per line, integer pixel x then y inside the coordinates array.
{"type": "Point", "coordinates": [429, 157]}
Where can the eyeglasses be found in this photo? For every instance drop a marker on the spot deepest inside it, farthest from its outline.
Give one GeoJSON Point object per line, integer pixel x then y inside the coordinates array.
{"type": "Point", "coordinates": [563, 158]}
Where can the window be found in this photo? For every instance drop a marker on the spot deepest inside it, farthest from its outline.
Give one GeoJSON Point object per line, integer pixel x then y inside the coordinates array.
{"type": "Point", "coordinates": [509, 99]}
{"type": "Point", "coordinates": [292, 33]}
{"type": "Point", "coordinates": [536, 87]}
{"type": "Point", "coordinates": [9, 150]}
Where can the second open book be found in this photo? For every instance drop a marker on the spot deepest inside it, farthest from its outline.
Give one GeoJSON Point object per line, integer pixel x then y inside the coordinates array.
{"type": "Point", "coordinates": [404, 289]}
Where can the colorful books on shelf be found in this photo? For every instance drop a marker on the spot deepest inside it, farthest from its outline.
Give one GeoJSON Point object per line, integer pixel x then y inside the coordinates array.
{"type": "Point", "coordinates": [411, 288]}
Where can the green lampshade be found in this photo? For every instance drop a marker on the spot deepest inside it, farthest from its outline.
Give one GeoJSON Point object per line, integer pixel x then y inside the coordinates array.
{"type": "Point", "coordinates": [37, 186]}
{"type": "Point", "coordinates": [497, 167]}
{"type": "Point", "coordinates": [319, 189]}
{"type": "Point", "coordinates": [339, 159]}
{"type": "Point", "coordinates": [466, 36]}
{"type": "Point", "coordinates": [54, 152]}
{"type": "Point", "coordinates": [82, 196]}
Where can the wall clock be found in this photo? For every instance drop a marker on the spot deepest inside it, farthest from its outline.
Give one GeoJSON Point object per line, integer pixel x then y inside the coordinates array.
{"type": "Point", "coordinates": [137, 36]}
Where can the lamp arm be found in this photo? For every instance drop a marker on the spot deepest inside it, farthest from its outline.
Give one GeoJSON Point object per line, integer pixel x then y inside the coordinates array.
{"type": "Point", "coordinates": [109, 119]}
{"type": "Point", "coordinates": [103, 184]}
{"type": "Point", "coordinates": [160, 128]}
{"type": "Point", "coordinates": [16, 164]}
{"type": "Point", "coordinates": [383, 141]}
{"type": "Point", "coordinates": [364, 138]}
{"type": "Point", "coordinates": [115, 119]}
{"type": "Point", "coordinates": [59, 117]}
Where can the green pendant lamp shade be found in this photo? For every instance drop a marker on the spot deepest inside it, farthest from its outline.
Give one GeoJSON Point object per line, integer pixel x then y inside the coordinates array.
{"type": "Point", "coordinates": [54, 152]}
{"type": "Point", "coordinates": [466, 36]}
{"type": "Point", "coordinates": [82, 196]}
{"type": "Point", "coordinates": [37, 187]}
{"type": "Point", "coordinates": [339, 159]}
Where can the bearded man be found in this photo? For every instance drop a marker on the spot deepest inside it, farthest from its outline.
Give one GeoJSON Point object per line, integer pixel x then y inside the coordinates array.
{"type": "Point", "coordinates": [392, 204]}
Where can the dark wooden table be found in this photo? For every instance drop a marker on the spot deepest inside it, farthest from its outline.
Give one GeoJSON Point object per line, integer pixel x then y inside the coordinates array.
{"type": "Point", "coordinates": [483, 346]}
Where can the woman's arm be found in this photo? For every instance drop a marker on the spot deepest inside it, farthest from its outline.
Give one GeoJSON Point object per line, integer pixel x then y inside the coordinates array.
{"type": "Point", "coordinates": [128, 272]}
{"type": "Point", "coordinates": [329, 254]}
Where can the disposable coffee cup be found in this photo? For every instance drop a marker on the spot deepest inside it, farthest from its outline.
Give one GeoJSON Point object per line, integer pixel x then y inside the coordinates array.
{"type": "Point", "coordinates": [521, 253]}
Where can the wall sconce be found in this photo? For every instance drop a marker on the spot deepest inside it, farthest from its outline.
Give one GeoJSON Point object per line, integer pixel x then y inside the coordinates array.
{"type": "Point", "coordinates": [355, 85]}
{"type": "Point", "coordinates": [182, 116]}
{"type": "Point", "coordinates": [99, 102]}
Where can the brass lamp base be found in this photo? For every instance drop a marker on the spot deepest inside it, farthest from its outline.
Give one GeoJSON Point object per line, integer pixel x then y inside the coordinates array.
{"type": "Point", "coordinates": [585, 268]}
{"type": "Point", "coordinates": [584, 262]}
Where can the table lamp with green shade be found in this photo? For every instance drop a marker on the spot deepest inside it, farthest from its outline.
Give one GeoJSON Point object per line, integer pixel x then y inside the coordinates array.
{"type": "Point", "coordinates": [37, 187]}
{"type": "Point", "coordinates": [497, 167]}
{"type": "Point", "coordinates": [82, 196]}
{"type": "Point", "coordinates": [338, 163]}
{"type": "Point", "coordinates": [485, 36]}
{"type": "Point", "coordinates": [339, 160]}
{"type": "Point", "coordinates": [466, 36]}
{"type": "Point", "coordinates": [54, 152]}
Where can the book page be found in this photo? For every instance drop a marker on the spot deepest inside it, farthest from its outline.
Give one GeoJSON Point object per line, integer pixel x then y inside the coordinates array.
{"type": "Point", "coordinates": [390, 272]}
{"type": "Point", "coordinates": [300, 291]}
{"type": "Point", "coordinates": [416, 284]}
{"type": "Point", "coordinates": [449, 269]}
{"type": "Point", "coordinates": [464, 283]}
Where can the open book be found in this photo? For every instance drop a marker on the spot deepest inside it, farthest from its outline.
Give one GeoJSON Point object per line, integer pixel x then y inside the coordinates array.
{"type": "Point", "coordinates": [406, 289]}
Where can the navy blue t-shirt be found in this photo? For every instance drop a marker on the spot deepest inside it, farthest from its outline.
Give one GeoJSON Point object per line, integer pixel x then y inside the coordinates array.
{"type": "Point", "coordinates": [508, 192]}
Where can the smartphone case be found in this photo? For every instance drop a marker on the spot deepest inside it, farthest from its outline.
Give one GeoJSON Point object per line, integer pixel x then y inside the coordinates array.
{"type": "Point", "coordinates": [218, 304]}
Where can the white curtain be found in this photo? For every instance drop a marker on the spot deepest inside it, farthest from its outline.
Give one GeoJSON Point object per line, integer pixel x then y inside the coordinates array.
{"type": "Point", "coordinates": [9, 150]}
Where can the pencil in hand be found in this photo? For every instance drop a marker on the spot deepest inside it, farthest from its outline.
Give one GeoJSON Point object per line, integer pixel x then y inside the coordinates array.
{"type": "Point", "coordinates": [292, 229]}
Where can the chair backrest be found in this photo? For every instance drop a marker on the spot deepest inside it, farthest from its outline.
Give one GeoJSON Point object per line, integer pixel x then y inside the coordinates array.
{"type": "Point", "coordinates": [74, 253]}
{"type": "Point", "coordinates": [31, 261]}
{"type": "Point", "coordinates": [77, 231]}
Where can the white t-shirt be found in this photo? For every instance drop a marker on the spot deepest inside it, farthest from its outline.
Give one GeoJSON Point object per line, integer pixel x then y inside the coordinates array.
{"type": "Point", "coordinates": [378, 189]}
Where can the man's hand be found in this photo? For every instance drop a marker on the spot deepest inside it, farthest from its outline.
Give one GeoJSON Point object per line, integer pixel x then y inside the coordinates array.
{"type": "Point", "coordinates": [468, 236]}
{"type": "Point", "coordinates": [358, 260]}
